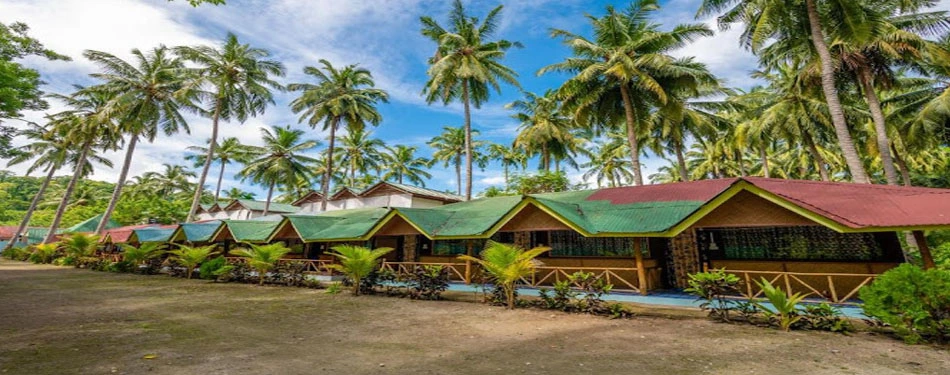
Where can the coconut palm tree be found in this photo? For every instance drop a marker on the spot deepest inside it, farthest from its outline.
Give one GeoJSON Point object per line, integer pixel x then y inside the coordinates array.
{"type": "Point", "coordinates": [79, 245]}
{"type": "Point", "coordinates": [466, 67]}
{"type": "Point", "coordinates": [237, 82]}
{"type": "Point", "coordinates": [402, 164]}
{"type": "Point", "coordinates": [450, 148]}
{"type": "Point", "coordinates": [142, 253]}
{"type": "Point", "coordinates": [280, 160]}
{"type": "Point", "coordinates": [230, 150]}
{"type": "Point", "coordinates": [789, 22]}
{"type": "Point", "coordinates": [507, 264]}
{"type": "Point", "coordinates": [339, 96]}
{"type": "Point", "coordinates": [173, 179]}
{"type": "Point", "coordinates": [357, 262]}
{"type": "Point", "coordinates": [508, 157]}
{"type": "Point", "coordinates": [262, 258]}
{"type": "Point", "coordinates": [236, 193]}
{"type": "Point", "coordinates": [361, 153]}
{"type": "Point", "coordinates": [191, 257]}
{"type": "Point", "coordinates": [543, 129]}
{"type": "Point", "coordinates": [608, 164]}
{"type": "Point", "coordinates": [625, 69]}
{"type": "Point", "coordinates": [147, 98]}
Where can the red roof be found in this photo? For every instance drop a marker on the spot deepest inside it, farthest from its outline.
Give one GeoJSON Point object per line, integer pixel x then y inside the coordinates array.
{"type": "Point", "coordinates": [7, 232]}
{"type": "Point", "coordinates": [122, 234]}
{"type": "Point", "coordinates": [864, 205]}
{"type": "Point", "coordinates": [703, 190]}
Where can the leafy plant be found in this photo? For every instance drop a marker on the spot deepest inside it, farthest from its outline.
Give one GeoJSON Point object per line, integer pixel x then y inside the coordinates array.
{"type": "Point", "coordinates": [618, 311]}
{"type": "Point", "coordinates": [191, 257]}
{"type": "Point", "coordinates": [593, 290]}
{"type": "Point", "coordinates": [44, 253]}
{"type": "Point", "coordinates": [825, 317]}
{"type": "Point", "coordinates": [356, 262]}
{"type": "Point", "coordinates": [143, 254]}
{"type": "Point", "coordinates": [748, 310]}
{"type": "Point", "coordinates": [16, 253]}
{"type": "Point", "coordinates": [563, 298]}
{"type": "Point", "coordinates": [713, 288]}
{"type": "Point", "coordinates": [507, 263]}
{"type": "Point", "coordinates": [263, 258]}
{"type": "Point", "coordinates": [290, 273]}
{"type": "Point", "coordinates": [214, 269]}
{"type": "Point", "coordinates": [428, 282]}
{"type": "Point", "coordinates": [784, 309]}
{"type": "Point", "coordinates": [915, 302]}
{"type": "Point", "coordinates": [335, 288]}
{"type": "Point", "coordinates": [79, 245]}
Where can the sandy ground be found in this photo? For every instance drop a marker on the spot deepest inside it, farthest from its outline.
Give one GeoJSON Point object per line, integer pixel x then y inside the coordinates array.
{"type": "Point", "coordinates": [56, 320]}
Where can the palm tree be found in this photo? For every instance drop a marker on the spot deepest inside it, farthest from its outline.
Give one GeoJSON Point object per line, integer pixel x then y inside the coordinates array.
{"type": "Point", "coordinates": [79, 245]}
{"type": "Point", "coordinates": [51, 149]}
{"type": "Point", "coordinates": [508, 157]}
{"type": "Point", "coordinates": [543, 129]}
{"type": "Point", "coordinates": [235, 193]}
{"type": "Point", "coordinates": [173, 179]}
{"type": "Point", "coordinates": [507, 264]}
{"type": "Point", "coordinates": [230, 150]}
{"type": "Point", "coordinates": [361, 152]}
{"type": "Point", "coordinates": [280, 160]}
{"type": "Point", "coordinates": [608, 164]}
{"type": "Point", "coordinates": [238, 81]}
{"type": "Point", "coordinates": [793, 21]}
{"type": "Point", "coordinates": [89, 129]}
{"type": "Point", "coordinates": [450, 147]}
{"type": "Point", "coordinates": [263, 258]}
{"type": "Point", "coordinates": [357, 262]}
{"type": "Point", "coordinates": [626, 68]}
{"type": "Point", "coordinates": [147, 98]}
{"type": "Point", "coordinates": [191, 257]}
{"type": "Point", "coordinates": [143, 253]}
{"type": "Point", "coordinates": [466, 65]}
{"type": "Point", "coordinates": [339, 96]}
{"type": "Point", "coordinates": [402, 163]}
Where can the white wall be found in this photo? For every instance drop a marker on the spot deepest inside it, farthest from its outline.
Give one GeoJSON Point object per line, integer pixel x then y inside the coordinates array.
{"type": "Point", "coordinates": [425, 203]}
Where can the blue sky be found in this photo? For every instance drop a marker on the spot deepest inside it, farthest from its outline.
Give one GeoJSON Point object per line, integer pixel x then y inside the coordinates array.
{"type": "Point", "coordinates": [379, 35]}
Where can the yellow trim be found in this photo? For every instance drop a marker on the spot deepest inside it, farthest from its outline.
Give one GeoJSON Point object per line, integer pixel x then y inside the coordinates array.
{"type": "Point", "coordinates": [282, 222]}
{"type": "Point", "coordinates": [217, 232]}
{"type": "Point", "coordinates": [395, 212]}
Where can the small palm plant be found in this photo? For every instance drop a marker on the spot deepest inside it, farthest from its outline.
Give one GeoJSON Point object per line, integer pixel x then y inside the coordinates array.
{"type": "Point", "coordinates": [44, 253]}
{"type": "Point", "coordinates": [191, 257]}
{"type": "Point", "coordinates": [507, 263]}
{"type": "Point", "coordinates": [263, 258]}
{"type": "Point", "coordinates": [357, 262]}
{"type": "Point", "coordinates": [145, 252]}
{"type": "Point", "coordinates": [78, 246]}
{"type": "Point", "coordinates": [785, 306]}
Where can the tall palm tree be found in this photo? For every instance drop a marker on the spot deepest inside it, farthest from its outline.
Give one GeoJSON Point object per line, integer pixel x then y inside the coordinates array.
{"type": "Point", "coordinates": [802, 20]}
{"type": "Point", "coordinates": [402, 164]}
{"type": "Point", "coordinates": [466, 66]}
{"type": "Point", "coordinates": [90, 128]}
{"type": "Point", "coordinates": [147, 99]}
{"type": "Point", "coordinates": [508, 157]}
{"type": "Point", "coordinates": [339, 96]}
{"type": "Point", "coordinates": [361, 153]}
{"type": "Point", "coordinates": [50, 148]}
{"type": "Point", "coordinates": [280, 160]}
{"type": "Point", "coordinates": [543, 129]}
{"type": "Point", "coordinates": [608, 164]}
{"type": "Point", "coordinates": [172, 179]}
{"type": "Point", "coordinates": [626, 68]}
{"type": "Point", "coordinates": [237, 84]}
{"type": "Point", "coordinates": [230, 150]}
{"type": "Point", "coordinates": [450, 148]}
{"type": "Point", "coordinates": [236, 193]}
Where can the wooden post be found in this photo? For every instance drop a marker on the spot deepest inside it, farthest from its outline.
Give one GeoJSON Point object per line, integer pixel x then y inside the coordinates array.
{"type": "Point", "coordinates": [924, 249]}
{"type": "Point", "coordinates": [641, 271]}
{"type": "Point", "coordinates": [468, 263]}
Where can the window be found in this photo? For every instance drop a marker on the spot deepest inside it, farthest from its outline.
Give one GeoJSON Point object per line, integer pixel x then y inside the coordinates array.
{"type": "Point", "coordinates": [456, 247]}
{"type": "Point", "coordinates": [789, 243]}
{"type": "Point", "coordinates": [571, 243]}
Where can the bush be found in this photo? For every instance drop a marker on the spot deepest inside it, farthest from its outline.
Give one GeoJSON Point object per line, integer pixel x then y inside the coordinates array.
{"type": "Point", "coordinates": [916, 303]}
{"type": "Point", "coordinates": [44, 253]}
{"type": "Point", "coordinates": [214, 269]}
{"type": "Point", "coordinates": [713, 288]}
{"type": "Point", "coordinates": [428, 282]}
{"type": "Point", "coordinates": [563, 298]}
{"type": "Point", "coordinates": [123, 266]}
{"type": "Point", "coordinates": [17, 253]}
{"type": "Point", "coordinates": [824, 317]}
{"type": "Point", "coordinates": [587, 297]}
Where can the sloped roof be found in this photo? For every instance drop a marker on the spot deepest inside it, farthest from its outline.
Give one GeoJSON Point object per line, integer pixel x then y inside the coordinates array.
{"type": "Point", "coordinates": [338, 225]}
{"type": "Point", "coordinates": [122, 234]}
{"type": "Point", "coordinates": [259, 206]}
{"type": "Point", "coordinates": [249, 230]}
{"type": "Point", "coordinates": [196, 232]}
{"type": "Point", "coordinates": [346, 190]}
{"type": "Point", "coordinates": [312, 194]}
{"type": "Point", "coordinates": [464, 219]}
{"type": "Point", "coordinates": [90, 224]}
{"type": "Point", "coordinates": [153, 234]}
{"type": "Point", "coordinates": [416, 191]}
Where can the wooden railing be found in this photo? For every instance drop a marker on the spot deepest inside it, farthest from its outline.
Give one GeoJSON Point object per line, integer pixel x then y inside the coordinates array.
{"type": "Point", "coordinates": [549, 275]}
{"type": "Point", "coordinates": [404, 268]}
{"type": "Point", "coordinates": [316, 266]}
{"type": "Point", "coordinates": [834, 287]}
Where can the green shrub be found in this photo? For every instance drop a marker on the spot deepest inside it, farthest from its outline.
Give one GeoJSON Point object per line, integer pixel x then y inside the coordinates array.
{"type": "Point", "coordinates": [713, 288]}
{"type": "Point", "coordinates": [120, 266]}
{"type": "Point", "coordinates": [428, 282]}
{"type": "Point", "coordinates": [17, 253]}
{"type": "Point", "coordinates": [214, 268]}
{"type": "Point", "coordinates": [563, 298]}
{"type": "Point", "coordinates": [44, 253]}
{"type": "Point", "coordinates": [824, 317]}
{"type": "Point", "coordinates": [334, 288]}
{"type": "Point", "coordinates": [916, 303]}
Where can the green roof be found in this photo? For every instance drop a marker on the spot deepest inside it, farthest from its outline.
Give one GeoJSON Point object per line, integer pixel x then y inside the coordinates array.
{"type": "Point", "coordinates": [90, 224]}
{"type": "Point", "coordinates": [472, 218]}
{"type": "Point", "coordinates": [251, 230]}
{"type": "Point", "coordinates": [153, 234]}
{"type": "Point", "coordinates": [603, 216]}
{"type": "Point", "coordinates": [337, 225]}
{"type": "Point", "coordinates": [199, 232]}
{"type": "Point", "coordinates": [274, 207]}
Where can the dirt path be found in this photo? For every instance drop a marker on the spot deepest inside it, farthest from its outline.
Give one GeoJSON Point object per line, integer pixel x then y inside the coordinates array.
{"type": "Point", "coordinates": [56, 320]}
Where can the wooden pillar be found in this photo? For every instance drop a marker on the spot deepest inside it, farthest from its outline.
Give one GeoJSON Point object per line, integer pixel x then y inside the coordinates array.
{"type": "Point", "coordinates": [924, 249]}
{"type": "Point", "coordinates": [641, 270]}
{"type": "Point", "coordinates": [468, 263]}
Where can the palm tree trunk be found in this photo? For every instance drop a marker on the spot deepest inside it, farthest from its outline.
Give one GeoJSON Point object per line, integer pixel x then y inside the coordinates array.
{"type": "Point", "coordinates": [458, 172]}
{"type": "Point", "coordinates": [328, 174]}
{"type": "Point", "coordinates": [352, 171]}
{"type": "Point", "coordinates": [207, 167]}
{"type": "Point", "coordinates": [877, 115]}
{"type": "Point", "coordinates": [119, 184]}
{"type": "Point", "coordinates": [270, 193]}
{"type": "Point", "coordinates": [557, 165]}
{"type": "Point", "coordinates": [545, 158]}
{"type": "Point", "coordinates": [831, 96]}
{"type": "Point", "coordinates": [816, 157]}
{"type": "Point", "coordinates": [506, 174]}
{"type": "Point", "coordinates": [468, 142]}
{"type": "Point", "coordinates": [29, 211]}
{"type": "Point", "coordinates": [764, 155]}
{"type": "Point", "coordinates": [69, 192]}
{"type": "Point", "coordinates": [681, 162]}
{"type": "Point", "coordinates": [217, 189]}
{"type": "Point", "coordinates": [902, 164]}
{"type": "Point", "coordinates": [742, 171]}
{"type": "Point", "coordinates": [632, 135]}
